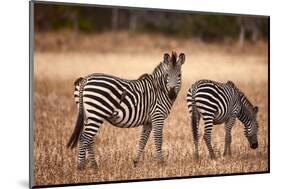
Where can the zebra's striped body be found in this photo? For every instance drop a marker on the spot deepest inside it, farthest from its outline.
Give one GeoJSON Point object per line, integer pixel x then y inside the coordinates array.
{"type": "Point", "coordinates": [102, 96]}
{"type": "Point", "coordinates": [220, 103]}
{"type": "Point", "coordinates": [127, 103]}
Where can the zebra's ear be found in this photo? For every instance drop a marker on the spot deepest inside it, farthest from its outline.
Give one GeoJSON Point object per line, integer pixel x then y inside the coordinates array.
{"type": "Point", "coordinates": [182, 58]}
{"type": "Point", "coordinates": [256, 109]}
{"type": "Point", "coordinates": [166, 58]}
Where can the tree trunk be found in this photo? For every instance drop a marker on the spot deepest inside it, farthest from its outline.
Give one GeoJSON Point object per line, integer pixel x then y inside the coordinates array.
{"type": "Point", "coordinates": [114, 21]}
{"type": "Point", "coordinates": [242, 36]}
{"type": "Point", "coordinates": [133, 21]}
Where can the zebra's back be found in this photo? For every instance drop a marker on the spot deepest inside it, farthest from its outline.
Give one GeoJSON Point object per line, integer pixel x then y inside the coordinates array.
{"type": "Point", "coordinates": [212, 98]}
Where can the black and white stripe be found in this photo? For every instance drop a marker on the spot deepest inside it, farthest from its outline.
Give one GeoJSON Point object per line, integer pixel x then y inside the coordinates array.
{"type": "Point", "coordinates": [125, 103]}
{"type": "Point", "coordinates": [220, 103]}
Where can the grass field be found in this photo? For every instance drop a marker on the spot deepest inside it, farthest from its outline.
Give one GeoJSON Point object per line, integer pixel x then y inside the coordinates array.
{"type": "Point", "coordinates": [55, 116]}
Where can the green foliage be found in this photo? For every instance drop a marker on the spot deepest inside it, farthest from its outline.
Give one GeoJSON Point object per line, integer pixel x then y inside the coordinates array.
{"type": "Point", "coordinates": [96, 19]}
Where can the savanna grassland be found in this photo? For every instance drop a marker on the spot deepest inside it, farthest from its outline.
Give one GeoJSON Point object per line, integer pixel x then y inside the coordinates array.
{"type": "Point", "coordinates": [58, 62]}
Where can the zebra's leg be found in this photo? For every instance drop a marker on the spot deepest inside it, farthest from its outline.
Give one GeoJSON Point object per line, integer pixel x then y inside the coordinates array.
{"type": "Point", "coordinates": [146, 130]}
{"type": "Point", "coordinates": [207, 135]}
{"type": "Point", "coordinates": [91, 153]}
{"type": "Point", "coordinates": [82, 152]}
{"type": "Point", "coordinates": [228, 126]}
{"type": "Point", "coordinates": [195, 124]}
{"type": "Point", "coordinates": [157, 127]}
{"type": "Point", "coordinates": [92, 128]}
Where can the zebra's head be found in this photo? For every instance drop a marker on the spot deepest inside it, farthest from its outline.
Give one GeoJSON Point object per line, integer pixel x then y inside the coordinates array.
{"type": "Point", "coordinates": [251, 128]}
{"type": "Point", "coordinates": [248, 116]}
{"type": "Point", "coordinates": [172, 74]}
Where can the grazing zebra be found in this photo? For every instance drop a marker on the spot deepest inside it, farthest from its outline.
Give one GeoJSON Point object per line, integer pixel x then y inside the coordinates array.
{"type": "Point", "coordinates": [125, 103]}
{"type": "Point", "coordinates": [220, 103]}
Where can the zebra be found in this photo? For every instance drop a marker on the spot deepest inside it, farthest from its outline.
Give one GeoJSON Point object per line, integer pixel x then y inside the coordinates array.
{"type": "Point", "coordinates": [220, 103]}
{"type": "Point", "coordinates": [124, 103]}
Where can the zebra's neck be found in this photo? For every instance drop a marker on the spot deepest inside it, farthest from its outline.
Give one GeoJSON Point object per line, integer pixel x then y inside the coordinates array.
{"type": "Point", "coordinates": [159, 70]}
{"type": "Point", "coordinates": [163, 93]}
{"type": "Point", "coordinates": [244, 114]}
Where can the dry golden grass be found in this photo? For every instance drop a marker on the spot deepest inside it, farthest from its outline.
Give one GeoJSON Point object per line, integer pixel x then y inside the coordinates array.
{"type": "Point", "coordinates": [55, 116]}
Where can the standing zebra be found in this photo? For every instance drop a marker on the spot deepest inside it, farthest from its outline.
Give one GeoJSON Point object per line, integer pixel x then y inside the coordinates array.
{"type": "Point", "coordinates": [218, 103]}
{"type": "Point", "coordinates": [124, 103]}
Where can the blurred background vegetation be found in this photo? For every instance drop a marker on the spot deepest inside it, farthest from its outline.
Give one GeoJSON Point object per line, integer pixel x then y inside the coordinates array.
{"type": "Point", "coordinates": [95, 28]}
{"type": "Point", "coordinates": [207, 27]}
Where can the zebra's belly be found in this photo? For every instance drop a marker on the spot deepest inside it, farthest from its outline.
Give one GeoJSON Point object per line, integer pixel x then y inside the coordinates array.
{"type": "Point", "coordinates": [122, 124]}
{"type": "Point", "coordinates": [217, 122]}
{"type": "Point", "coordinates": [219, 119]}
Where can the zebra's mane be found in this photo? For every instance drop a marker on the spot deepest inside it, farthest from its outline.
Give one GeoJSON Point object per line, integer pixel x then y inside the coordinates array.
{"type": "Point", "coordinates": [143, 76]}
{"type": "Point", "coordinates": [245, 99]}
{"type": "Point", "coordinates": [158, 69]}
{"type": "Point", "coordinates": [242, 96]}
{"type": "Point", "coordinates": [174, 58]}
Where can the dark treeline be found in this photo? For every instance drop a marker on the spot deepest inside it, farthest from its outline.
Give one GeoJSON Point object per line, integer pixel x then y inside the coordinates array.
{"type": "Point", "coordinates": [207, 27]}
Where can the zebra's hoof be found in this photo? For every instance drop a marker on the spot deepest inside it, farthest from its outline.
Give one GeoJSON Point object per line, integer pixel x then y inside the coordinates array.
{"type": "Point", "coordinates": [161, 161]}
{"type": "Point", "coordinates": [81, 167]}
{"type": "Point", "coordinates": [94, 165]}
{"type": "Point", "coordinates": [213, 157]}
{"type": "Point", "coordinates": [227, 154]}
{"type": "Point", "coordinates": [135, 162]}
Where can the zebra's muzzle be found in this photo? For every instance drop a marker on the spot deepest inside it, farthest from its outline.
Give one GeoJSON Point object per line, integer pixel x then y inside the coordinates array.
{"type": "Point", "coordinates": [254, 145]}
{"type": "Point", "coordinates": [253, 141]}
{"type": "Point", "coordinates": [172, 93]}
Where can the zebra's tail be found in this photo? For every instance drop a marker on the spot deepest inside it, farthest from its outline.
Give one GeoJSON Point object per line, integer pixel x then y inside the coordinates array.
{"type": "Point", "coordinates": [194, 115]}
{"type": "Point", "coordinates": [80, 119]}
